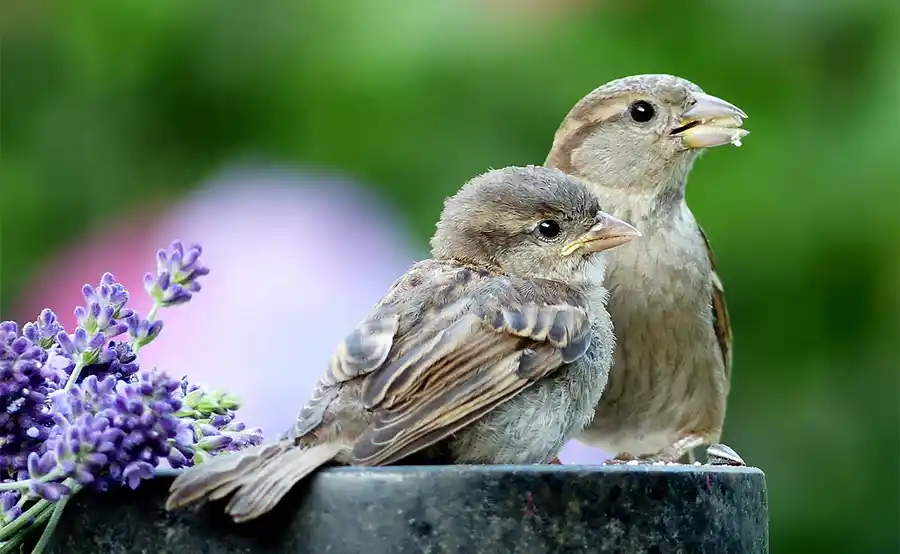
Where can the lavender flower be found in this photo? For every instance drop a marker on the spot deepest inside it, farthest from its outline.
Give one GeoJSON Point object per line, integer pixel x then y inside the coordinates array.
{"type": "Point", "coordinates": [122, 366]}
{"type": "Point", "coordinates": [212, 424]}
{"type": "Point", "coordinates": [43, 332]}
{"type": "Point", "coordinates": [25, 418]}
{"type": "Point", "coordinates": [176, 277]}
{"type": "Point", "coordinates": [84, 348]}
{"type": "Point", "coordinates": [77, 411]}
{"type": "Point", "coordinates": [143, 331]}
{"type": "Point", "coordinates": [104, 307]}
{"type": "Point", "coordinates": [112, 430]}
{"type": "Point", "coordinates": [9, 506]}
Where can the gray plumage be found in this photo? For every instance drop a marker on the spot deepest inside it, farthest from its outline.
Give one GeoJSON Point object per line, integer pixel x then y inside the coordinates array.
{"type": "Point", "coordinates": [495, 350]}
{"type": "Point", "coordinates": [668, 387]}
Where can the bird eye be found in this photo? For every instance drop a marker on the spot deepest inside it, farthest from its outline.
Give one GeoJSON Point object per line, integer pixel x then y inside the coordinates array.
{"type": "Point", "coordinates": [642, 111]}
{"type": "Point", "coordinates": [549, 229]}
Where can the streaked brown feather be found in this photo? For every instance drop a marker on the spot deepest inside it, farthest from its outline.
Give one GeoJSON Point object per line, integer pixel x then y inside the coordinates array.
{"type": "Point", "coordinates": [445, 383]}
{"type": "Point", "coordinates": [721, 322]}
{"type": "Point", "coordinates": [361, 352]}
{"type": "Point", "coordinates": [216, 478]}
{"type": "Point", "coordinates": [259, 491]}
{"type": "Point", "coordinates": [481, 344]}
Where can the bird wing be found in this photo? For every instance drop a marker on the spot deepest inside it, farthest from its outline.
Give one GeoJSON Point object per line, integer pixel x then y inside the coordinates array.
{"type": "Point", "coordinates": [721, 322]}
{"type": "Point", "coordinates": [450, 376]}
{"type": "Point", "coordinates": [458, 353]}
{"type": "Point", "coordinates": [363, 351]}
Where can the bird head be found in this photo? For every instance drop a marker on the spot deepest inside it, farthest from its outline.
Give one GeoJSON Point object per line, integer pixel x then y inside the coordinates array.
{"type": "Point", "coordinates": [532, 222]}
{"type": "Point", "coordinates": [643, 133]}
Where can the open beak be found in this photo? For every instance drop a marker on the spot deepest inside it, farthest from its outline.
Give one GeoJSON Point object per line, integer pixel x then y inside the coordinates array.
{"type": "Point", "coordinates": [711, 121]}
{"type": "Point", "coordinates": [605, 234]}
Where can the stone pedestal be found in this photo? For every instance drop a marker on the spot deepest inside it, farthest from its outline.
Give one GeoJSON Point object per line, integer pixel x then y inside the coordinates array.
{"type": "Point", "coordinates": [448, 510]}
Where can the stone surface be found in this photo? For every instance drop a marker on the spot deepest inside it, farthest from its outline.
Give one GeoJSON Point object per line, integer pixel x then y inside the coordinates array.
{"type": "Point", "coordinates": [448, 510]}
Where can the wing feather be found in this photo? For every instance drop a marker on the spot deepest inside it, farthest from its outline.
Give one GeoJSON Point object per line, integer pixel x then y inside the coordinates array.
{"type": "Point", "coordinates": [460, 349]}
{"type": "Point", "coordinates": [482, 360]}
{"type": "Point", "coordinates": [721, 322]}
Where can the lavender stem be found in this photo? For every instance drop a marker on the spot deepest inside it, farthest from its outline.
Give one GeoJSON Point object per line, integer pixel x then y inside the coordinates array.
{"type": "Point", "coordinates": [151, 317]}
{"type": "Point", "coordinates": [51, 525]}
{"type": "Point", "coordinates": [23, 519]}
{"type": "Point", "coordinates": [12, 545]}
{"type": "Point", "coordinates": [71, 382]}
{"type": "Point", "coordinates": [153, 311]}
{"type": "Point", "coordinates": [18, 485]}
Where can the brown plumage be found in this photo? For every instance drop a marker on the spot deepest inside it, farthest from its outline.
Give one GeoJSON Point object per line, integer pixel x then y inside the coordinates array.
{"type": "Point", "coordinates": [495, 350]}
{"type": "Point", "coordinates": [633, 141]}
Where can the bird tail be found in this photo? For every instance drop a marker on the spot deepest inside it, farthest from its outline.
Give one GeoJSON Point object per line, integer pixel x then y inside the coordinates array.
{"type": "Point", "coordinates": [259, 477]}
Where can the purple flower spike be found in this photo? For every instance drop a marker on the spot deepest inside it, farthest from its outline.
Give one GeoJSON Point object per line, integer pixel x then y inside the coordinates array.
{"type": "Point", "coordinates": [49, 491]}
{"type": "Point", "coordinates": [97, 341]}
{"type": "Point", "coordinates": [111, 424]}
{"type": "Point", "coordinates": [220, 421]}
{"type": "Point", "coordinates": [90, 295]}
{"type": "Point", "coordinates": [177, 459]}
{"type": "Point", "coordinates": [80, 339]}
{"type": "Point", "coordinates": [83, 476]}
{"type": "Point", "coordinates": [149, 283]}
{"type": "Point", "coordinates": [211, 443]}
{"type": "Point", "coordinates": [117, 360]}
{"type": "Point", "coordinates": [142, 331]}
{"type": "Point", "coordinates": [40, 465]}
{"type": "Point", "coordinates": [43, 332]}
{"type": "Point", "coordinates": [176, 276]}
{"type": "Point", "coordinates": [9, 330]}
{"type": "Point", "coordinates": [8, 500]}
{"type": "Point", "coordinates": [104, 308]}
{"type": "Point", "coordinates": [25, 416]}
{"type": "Point", "coordinates": [65, 342]}
{"type": "Point", "coordinates": [135, 472]}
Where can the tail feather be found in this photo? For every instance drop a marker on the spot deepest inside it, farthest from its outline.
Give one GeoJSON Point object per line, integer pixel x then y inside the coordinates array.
{"type": "Point", "coordinates": [259, 491]}
{"type": "Point", "coordinates": [218, 476]}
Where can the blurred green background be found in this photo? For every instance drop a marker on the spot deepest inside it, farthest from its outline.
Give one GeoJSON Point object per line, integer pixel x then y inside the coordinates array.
{"type": "Point", "coordinates": [107, 105]}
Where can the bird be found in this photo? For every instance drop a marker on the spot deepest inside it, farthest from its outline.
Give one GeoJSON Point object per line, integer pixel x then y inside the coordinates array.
{"type": "Point", "coordinates": [633, 141]}
{"type": "Point", "coordinates": [495, 350]}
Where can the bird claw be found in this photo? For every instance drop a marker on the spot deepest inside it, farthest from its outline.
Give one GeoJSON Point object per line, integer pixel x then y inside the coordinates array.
{"type": "Point", "coordinates": [682, 449]}
{"type": "Point", "coordinates": [624, 458]}
{"type": "Point", "coordinates": [682, 452]}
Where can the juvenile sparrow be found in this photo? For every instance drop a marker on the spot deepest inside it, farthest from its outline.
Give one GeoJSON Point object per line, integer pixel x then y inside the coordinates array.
{"type": "Point", "coordinates": [633, 141]}
{"type": "Point", "coordinates": [494, 351]}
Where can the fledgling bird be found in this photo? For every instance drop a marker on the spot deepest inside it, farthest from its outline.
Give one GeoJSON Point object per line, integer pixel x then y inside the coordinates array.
{"type": "Point", "coordinates": [493, 351]}
{"type": "Point", "coordinates": [633, 141]}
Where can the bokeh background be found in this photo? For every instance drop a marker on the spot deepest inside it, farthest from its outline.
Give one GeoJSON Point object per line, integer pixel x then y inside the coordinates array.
{"type": "Point", "coordinates": [308, 146]}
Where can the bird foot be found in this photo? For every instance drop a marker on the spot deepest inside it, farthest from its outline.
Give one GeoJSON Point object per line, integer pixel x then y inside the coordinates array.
{"type": "Point", "coordinates": [681, 452]}
{"type": "Point", "coordinates": [555, 461]}
{"type": "Point", "coordinates": [623, 458]}
{"type": "Point", "coordinates": [650, 459]}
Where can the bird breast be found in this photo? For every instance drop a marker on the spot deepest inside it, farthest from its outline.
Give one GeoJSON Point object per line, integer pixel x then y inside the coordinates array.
{"type": "Point", "coordinates": [665, 374]}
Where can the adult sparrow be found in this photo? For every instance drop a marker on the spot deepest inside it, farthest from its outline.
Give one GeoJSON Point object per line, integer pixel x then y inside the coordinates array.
{"type": "Point", "coordinates": [633, 141]}
{"type": "Point", "coordinates": [493, 351]}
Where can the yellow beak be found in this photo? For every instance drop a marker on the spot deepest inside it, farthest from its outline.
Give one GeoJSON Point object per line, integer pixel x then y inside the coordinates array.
{"type": "Point", "coordinates": [711, 121]}
{"type": "Point", "coordinates": [607, 232]}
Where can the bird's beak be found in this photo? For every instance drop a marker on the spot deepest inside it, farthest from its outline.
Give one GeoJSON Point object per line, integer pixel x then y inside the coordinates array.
{"type": "Point", "coordinates": [711, 121]}
{"type": "Point", "coordinates": [606, 233]}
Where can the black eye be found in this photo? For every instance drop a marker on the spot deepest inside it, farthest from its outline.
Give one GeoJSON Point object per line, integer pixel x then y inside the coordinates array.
{"type": "Point", "coordinates": [642, 111]}
{"type": "Point", "coordinates": [548, 228]}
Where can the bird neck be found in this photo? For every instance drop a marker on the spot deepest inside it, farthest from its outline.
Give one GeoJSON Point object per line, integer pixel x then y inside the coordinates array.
{"type": "Point", "coordinates": [639, 193]}
{"type": "Point", "coordinates": [482, 268]}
